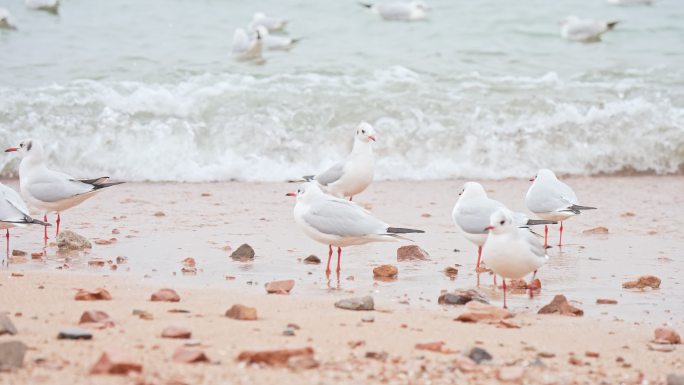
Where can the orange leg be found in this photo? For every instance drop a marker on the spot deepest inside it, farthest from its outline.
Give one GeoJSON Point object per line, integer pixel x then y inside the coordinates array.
{"type": "Point", "coordinates": [350, 199]}
{"type": "Point", "coordinates": [57, 225]}
{"type": "Point", "coordinates": [339, 257]}
{"type": "Point", "coordinates": [560, 239]}
{"type": "Point", "coordinates": [327, 268]}
{"type": "Point", "coordinates": [546, 236]}
{"type": "Point", "coordinates": [7, 236]}
{"type": "Point", "coordinates": [45, 237]}
{"type": "Point", "coordinates": [504, 288]}
{"type": "Point", "coordinates": [479, 256]}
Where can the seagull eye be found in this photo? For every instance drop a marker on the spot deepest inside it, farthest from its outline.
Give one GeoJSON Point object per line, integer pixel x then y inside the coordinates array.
{"type": "Point", "coordinates": [21, 144]}
{"type": "Point", "coordinates": [502, 222]}
{"type": "Point", "coordinates": [363, 131]}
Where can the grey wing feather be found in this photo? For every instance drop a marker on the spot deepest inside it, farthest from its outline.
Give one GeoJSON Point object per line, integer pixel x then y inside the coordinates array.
{"type": "Point", "coordinates": [343, 218]}
{"type": "Point", "coordinates": [331, 175]}
{"type": "Point", "coordinates": [534, 244]}
{"type": "Point", "coordinates": [56, 190]}
{"type": "Point", "coordinates": [473, 216]}
{"type": "Point", "coordinates": [13, 198]}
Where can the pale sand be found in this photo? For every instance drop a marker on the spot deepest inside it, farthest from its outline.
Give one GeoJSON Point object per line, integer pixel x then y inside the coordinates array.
{"type": "Point", "coordinates": [590, 267]}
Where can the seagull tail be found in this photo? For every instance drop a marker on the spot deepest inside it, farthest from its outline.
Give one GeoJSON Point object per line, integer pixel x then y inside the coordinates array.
{"type": "Point", "coordinates": [307, 178]}
{"type": "Point", "coordinates": [100, 183]}
{"type": "Point", "coordinates": [579, 208]}
{"type": "Point", "coordinates": [611, 24]}
{"type": "Point", "coordinates": [535, 222]}
{"type": "Point", "coordinates": [366, 5]}
{"type": "Point", "coordinates": [401, 230]}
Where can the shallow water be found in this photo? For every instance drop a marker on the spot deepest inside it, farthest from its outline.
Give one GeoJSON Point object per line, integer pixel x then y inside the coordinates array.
{"type": "Point", "coordinates": [481, 89]}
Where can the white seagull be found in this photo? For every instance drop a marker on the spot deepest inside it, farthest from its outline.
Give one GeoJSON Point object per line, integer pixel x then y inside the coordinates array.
{"type": "Point", "coordinates": [337, 222]}
{"type": "Point", "coordinates": [13, 212]}
{"type": "Point", "coordinates": [6, 20]}
{"type": "Point", "coordinates": [472, 213]}
{"type": "Point", "coordinates": [399, 10]}
{"type": "Point", "coordinates": [510, 251]}
{"type": "Point", "coordinates": [48, 190]}
{"type": "Point", "coordinates": [244, 48]}
{"type": "Point", "coordinates": [51, 6]}
{"type": "Point", "coordinates": [271, 23]}
{"type": "Point", "coordinates": [553, 200]}
{"type": "Point", "coordinates": [271, 42]}
{"type": "Point", "coordinates": [353, 174]}
{"type": "Point", "coordinates": [585, 30]}
{"type": "Point", "coordinates": [630, 2]}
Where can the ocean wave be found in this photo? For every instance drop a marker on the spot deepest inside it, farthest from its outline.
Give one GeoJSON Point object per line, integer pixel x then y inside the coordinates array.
{"type": "Point", "coordinates": [225, 126]}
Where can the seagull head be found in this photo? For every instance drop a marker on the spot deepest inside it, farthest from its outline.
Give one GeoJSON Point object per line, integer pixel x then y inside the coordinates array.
{"type": "Point", "coordinates": [28, 148]}
{"type": "Point", "coordinates": [545, 174]}
{"type": "Point", "coordinates": [420, 6]}
{"type": "Point", "coordinates": [365, 132]}
{"type": "Point", "coordinates": [261, 32]}
{"type": "Point", "coordinates": [501, 221]}
{"type": "Point", "coordinates": [305, 191]}
{"type": "Point", "coordinates": [473, 190]}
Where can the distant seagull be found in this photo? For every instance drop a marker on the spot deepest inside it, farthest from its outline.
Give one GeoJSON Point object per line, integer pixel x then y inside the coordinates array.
{"type": "Point", "coordinates": [272, 42]}
{"type": "Point", "coordinates": [6, 20]}
{"type": "Point", "coordinates": [245, 49]}
{"type": "Point", "coordinates": [13, 212]}
{"type": "Point", "coordinates": [400, 10]}
{"type": "Point", "coordinates": [271, 23]}
{"type": "Point", "coordinates": [473, 211]}
{"type": "Point", "coordinates": [51, 191]}
{"type": "Point", "coordinates": [338, 222]}
{"type": "Point", "coordinates": [353, 174]}
{"type": "Point", "coordinates": [51, 6]}
{"type": "Point", "coordinates": [552, 199]}
{"type": "Point", "coordinates": [510, 251]}
{"type": "Point", "coordinates": [630, 2]}
{"type": "Point", "coordinates": [585, 30]}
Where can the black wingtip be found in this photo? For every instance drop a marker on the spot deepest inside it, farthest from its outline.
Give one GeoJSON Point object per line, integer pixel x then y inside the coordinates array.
{"type": "Point", "coordinates": [400, 230]}
{"type": "Point", "coordinates": [535, 222]}
{"type": "Point", "coordinates": [366, 5]}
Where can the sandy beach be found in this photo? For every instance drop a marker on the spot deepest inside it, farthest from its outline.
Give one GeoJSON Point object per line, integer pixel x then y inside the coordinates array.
{"type": "Point", "coordinates": [155, 226]}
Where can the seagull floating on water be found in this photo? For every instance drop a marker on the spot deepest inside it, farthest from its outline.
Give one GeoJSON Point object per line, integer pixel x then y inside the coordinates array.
{"type": "Point", "coordinates": [272, 42]}
{"type": "Point", "coordinates": [399, 10]}
{"type": "Point", "coordinates": [585, 30]}
{"type": "Point", "coordinates": [51, 6]}
{"type": "Point", "coordinates": [245, 49]}
{"type": "Point", "coordinates": [271, 23]}
{"type": "Point", "coordinates": [6, 20]}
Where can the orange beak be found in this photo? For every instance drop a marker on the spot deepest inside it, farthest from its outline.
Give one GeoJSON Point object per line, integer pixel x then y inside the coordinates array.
{"type": "Point", "coordinates": [11, 149]}
{"type": "Point", "coordinates": [291, 194]}
{"type": "Point", "coordinates": [371, 137]}
{"type": "Point", "coordinates": [489, 228]}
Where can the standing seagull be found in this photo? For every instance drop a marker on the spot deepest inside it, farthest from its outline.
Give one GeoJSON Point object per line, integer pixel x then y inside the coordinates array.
{"type": "Point", "coordinates": [473, 211]}
{"type": "Point", "coordinates": [399, 10]}
{"type": "Point", "coordinates": [49, 190]}
{"type": "Point", "coordinates": [511, 252]}
{"type": "Point", "coordinates": [338, 222]}
{"type": "Point", "coordinates": [353, 174]}
{"type": "Point", "coordinates": [244, 48]}
{"type": "Point", "coordinates": [585, 30]}
{"type": "Point", "coordinates": [51, 6]}
{"type": "Point", "coordinates": [552, 199]}
{"type": "Point", "coordinates": [13, 212]}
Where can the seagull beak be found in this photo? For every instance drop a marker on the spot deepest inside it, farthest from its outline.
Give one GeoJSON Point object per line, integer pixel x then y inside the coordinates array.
{"type": "Point", "coordinates": [533, 179]}
{"type": "Point", "coordinates": [489, 228]}
{"type": "Point", "coordinates": [11, 149]}
{"type": "Point", "coordinates": [290, 194]}
{"type": "Point", "coordinates": [371, 137]}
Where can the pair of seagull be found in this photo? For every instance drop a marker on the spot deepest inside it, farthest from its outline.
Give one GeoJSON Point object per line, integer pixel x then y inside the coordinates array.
{"type": "Point", "coordinates": [247, 48]}
{"type": "Point", "coordinates": [44, 189]}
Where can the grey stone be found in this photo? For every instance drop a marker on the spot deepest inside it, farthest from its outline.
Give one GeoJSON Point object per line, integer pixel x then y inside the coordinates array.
{"type": "Point", "coordinates": [462, 297]}
{"type": "Point", "coordinates": [357, 303]}
{"type": "Point", "coordinates": [368, 319]}
{"type": "Point", "coordinates": [312, 260]}
{"type": "Point", "coordinates": [12, 354]}
{"type": "Point", "coordinates": [74, 334]}
{"type": "Point", "coordinates": [244, 253]}
{"type": "Point", "coordinates": [6, 325]}
{"type": "Point", "coordinates": [69, 240]}
{"type": "Point", "coordinates": [289, 332]}
{"type": "Point", "coordinates": [478, 355]}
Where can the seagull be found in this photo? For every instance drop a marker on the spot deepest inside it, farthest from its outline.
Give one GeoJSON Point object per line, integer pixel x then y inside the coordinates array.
{"type": "Point", "coordinates": [48, 190]}
{"type": "Point", "coordinates": [510, 251]}
{"type": "Point", "coordinates": [337, 222]}
{"type": "Point", "coordinates": [271, 23]}
{"type": "Point", "coordinates": [399, 10]}
{"type": "Point", "coordinates": [630, 2]}
{"type": "Point", "coordinates": [6, 20]}
{"type": "Point", "coordinates": [282, 43]}
{"type": "Point", "coordinates": [51, 6]}
{"type": "Point", "coordinates": [244, 48]}
{"type": "Point", "coordinates": [553, 200]}
{"type": "Point", "coordinates": [353, 174]}
{"type": "Point", "coordinates": [472, 213]}
{"type": "Point", "coordinates": [13, 212]}
{"type": "Point", "coordinates": [586, 30]}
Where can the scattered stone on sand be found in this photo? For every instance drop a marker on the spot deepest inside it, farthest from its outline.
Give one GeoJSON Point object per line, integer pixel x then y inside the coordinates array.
{"type": "Point", "coordinates": [451, 272]}
{"type": "Point", "coordinates": [302, 363]}
{"type": "Point", "coordinates": [165, 295]}
{"type": "Point", "coordinates": [289, 332]}
{"type": "Point", "coordinates": [592, 354]}
{"type": "Point", "coordinates": [519, 284]}
{"type": "Point", "coordinates": [675, 379]}
{"type": "Point", "coordinates": [244, 253]}
{"type": "Point", "coordinates": [438, 346]}
{"type": "Point", "coordinates": [546, 354]}
{"type": "Point", "coordinates": [560, 305]}
{"type": "Point", "coordinates": [16, 274]}
{"type": "Point", "coordinates": [69, 240]}
{"type": "Point", "coordinates": [280, 287]}
{"type": "Point", "coordinates": [507, 324]}
{"type": "Point", "coordinates": [465, 364]}
{"type": "Point", "coordinates": [312, 260]}
{"type": "Point", "coordinates": [510, 373]}
{"type": "Point", "coordinates": [461, 297]}
{"type": "Point", "coordinates": [661, 348]}
{"type": "Point", "coordinates": [478, 355]}
{"type": "Point", "coordinates": [105, 241]}
{"type": "Point", "coordinates": [596, 230]}
{"type": "Point", "coordinates": [115, 231]}
{"type": "Point", "coordinates": [480, 312]}
{"type": "Point", "coordinates": [143, 314]}
{"type": "Point", "coordinates": [667, 335]}
{"type": "Point", "coordinates": [18, 253]}
{"type": "Point", "coordinates": [575, 361]}
{"type": "Point", "coordinates": [159, 214]}
{"type": "Point", "coordinates": [176, 332]}
{"type": "Point", "coordinates": [385, 271]}
{"type": "Point", "coordinates": [355, 344]}
{"type": "Point", "coordinates": [356, 303]}
{"type": "Point", "coordinates": [606, 301]}
{"type": "Point", "coordinates": [99, 262]}
{"type": "Point", "coordinates": [114, 362]}
{"type": "Point", "coordinates": [242, 312]}
{"type": "Point", "coordinates": [274, 357]}
{"type": "Point", "coordinates": [94, 316]}
{"type": "Point", "coordinates": [121, 259]}
{"type": "Point", "coordinates": [189, 262]}
{"type": "Point", "coordinates": [6, 325]}
{"type": "Point", "coordinates": [368, 319]}
{"type": "Point", "coordinates": [74, 334]}
{"type": "Point", "coordinates": [36, 255]}
{"type": "Point", "coordinates": [411, 253]}
{"type": "Point", "coordinates": [187, 270]}
{"type": "Point", "coordinates": [642, 282]}
{"type": "Point", "coordinates": [380, 356]}
{"type": "Point", "coordinates": [12, 354]}
{"type": "Point", "coordinates": [98, 294]}
{"type": "Point", "coordinates": [189, 355]}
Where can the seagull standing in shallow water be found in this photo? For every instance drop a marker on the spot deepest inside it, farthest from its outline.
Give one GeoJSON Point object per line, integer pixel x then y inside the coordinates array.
{"type": "Point", "coordinates": [49, 190]}
{"type": "Point", "coordinates": [337, 222]}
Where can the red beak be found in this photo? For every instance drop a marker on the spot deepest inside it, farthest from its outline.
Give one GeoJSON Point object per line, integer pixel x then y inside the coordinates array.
{"type": "Point", "coordinates": [11, 149]}
{"type": "Point", "coordinates": [291, 194]}
{"type": "Point", "coordinates": [489, 228]}
{"type": "Point", "coordinates": [371, 137]}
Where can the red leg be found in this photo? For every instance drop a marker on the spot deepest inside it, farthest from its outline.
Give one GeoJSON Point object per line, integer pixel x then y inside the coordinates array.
{"type": "Point", "coordinates": [57, 225]}
{"type": "Point", "coordinates": [479, 255]}
{"type": "Point", "coordinates": [560, 239]}
{"type": "Point", "coordinates": [546, 236]}
{"type": "Point", "coordinates": [339, 257]}
{"type": "Point", "coordinates": [494, 280]}
{"type": "Point", "coordinates": [7, 236]}
{"type": "Point", "coordinates": [504, 287]}
{"type": "Point", "coordinates": [350, 199]}
{"type": "Point", "coordinates": [45, 237]}
{"type": "Point", "coordinates": [327, 268]}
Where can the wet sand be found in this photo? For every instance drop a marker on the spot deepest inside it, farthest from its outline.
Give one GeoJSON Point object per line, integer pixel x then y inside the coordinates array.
{"type": "Point", "coordinates": [205, 220]}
